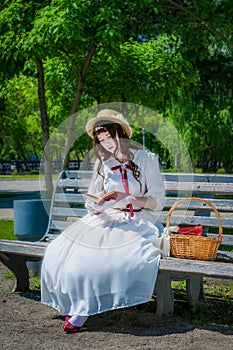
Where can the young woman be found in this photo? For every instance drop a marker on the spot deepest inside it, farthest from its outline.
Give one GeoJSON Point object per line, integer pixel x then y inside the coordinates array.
{"type": "Point", "coordinates": [108, 259]}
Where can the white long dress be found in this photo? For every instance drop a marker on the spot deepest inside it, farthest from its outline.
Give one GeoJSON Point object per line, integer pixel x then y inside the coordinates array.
{"type": "Point", "coordinates": [107, 261]}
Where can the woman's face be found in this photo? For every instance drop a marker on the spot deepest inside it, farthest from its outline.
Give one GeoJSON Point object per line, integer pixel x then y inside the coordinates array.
{"type": "Point", "coordinates": [107, 141]}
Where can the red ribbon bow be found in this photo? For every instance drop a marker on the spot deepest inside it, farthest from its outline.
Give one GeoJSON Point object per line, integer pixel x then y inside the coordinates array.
{"type": "Point", "coordinates": [124, 177]}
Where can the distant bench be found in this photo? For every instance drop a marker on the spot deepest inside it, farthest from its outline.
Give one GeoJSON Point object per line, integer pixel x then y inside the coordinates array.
{"type": "Point", "coordinates": [67, 207]}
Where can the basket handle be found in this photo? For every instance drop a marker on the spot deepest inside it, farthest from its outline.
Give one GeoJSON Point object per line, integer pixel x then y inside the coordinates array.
{"type": "Point", "coordinates": [201, 200]}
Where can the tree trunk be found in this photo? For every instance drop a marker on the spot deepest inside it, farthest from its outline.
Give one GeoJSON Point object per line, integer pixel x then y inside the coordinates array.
{"type": "Point", "coordinates": [45, 129]}
{"type": "Point", "coordinates": [86, 164]}
{"type": "Point", "coordinates": [72, 119]}
{"type": "Point", "coordinates": [205, 159]}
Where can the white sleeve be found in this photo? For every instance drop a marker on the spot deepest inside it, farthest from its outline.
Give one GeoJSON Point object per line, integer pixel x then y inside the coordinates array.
{"type": "Point", "coordinates": [96, 186]}
{"type": "Point", "coordinates": [154, 181]}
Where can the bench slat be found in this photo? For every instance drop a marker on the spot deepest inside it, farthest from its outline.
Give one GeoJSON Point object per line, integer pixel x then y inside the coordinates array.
{"type": "Point", "coordinates": [211, 178]}
{"type": "Point", "coordinates": [173, 265]}
{"type": "Point", "coordinates": [170, 186]}
{"type": "Point", "coordinates": [199, 187]}
{"type": "Point", "coordinates": [176, 219]}
{"type": "Point", "coordinates": [70, 198]}
{"type": "Point", "coordinates": [60, 225]}
{"type": "Point", "coordinates": [179, 182]}
{"type": "Point", "coordinates": [227, 240]}
{"type": "Point", "coordinates": [30, 249]}
{"type": "Point", "coordinates": [195, 220]}
{"type": "Point", "coordinates": [69, 212]}
{"type": "Point", "coordinates": [220, 204]}
{"type": "Point", "coordinates": [196, 267]}
{"type": "Point", "coordinates": [68, 183]}
{"type": "Point", "coordinates": [184, 177]}
{"type": "Point", "coordinates": [181, 177]}
{"type": "Point", "coordinates": [79, 174]}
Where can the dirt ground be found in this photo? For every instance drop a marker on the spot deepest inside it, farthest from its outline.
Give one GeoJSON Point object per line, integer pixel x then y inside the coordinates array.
{"type": "Point", "coordinates": [27, 324]}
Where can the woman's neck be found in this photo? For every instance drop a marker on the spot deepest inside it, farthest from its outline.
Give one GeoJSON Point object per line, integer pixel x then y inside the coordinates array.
{"type": "Point", "coordinates": [122, 158]}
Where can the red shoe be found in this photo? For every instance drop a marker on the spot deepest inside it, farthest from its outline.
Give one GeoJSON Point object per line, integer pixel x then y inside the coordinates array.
{"type": "Point", "coordinates": [67, 318]}
{"type": "Point", "coordinates": [69, 328]}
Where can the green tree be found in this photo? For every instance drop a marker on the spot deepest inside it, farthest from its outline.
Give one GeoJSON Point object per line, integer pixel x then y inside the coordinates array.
{"type": "Point", "coordinates": [74, 29]}
{"type": "Point", "coordinates": [197, 18]}
{"type": "Point", "coordinates": [79, 29]}
{"type": "Point", "coordinates": [151, 52]}
{"type": "Point", "coordinates": [203, 113]}
{"type": "Point", "coordinates": [16, 23]}
{"type": "Point", "coordinates": [20, 121]}
{"type": "Point", "coordinates": [143, 73]}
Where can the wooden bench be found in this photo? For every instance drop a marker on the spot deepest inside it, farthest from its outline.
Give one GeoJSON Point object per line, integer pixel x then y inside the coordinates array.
{"type": "Point", "coordinates": [67, 206]}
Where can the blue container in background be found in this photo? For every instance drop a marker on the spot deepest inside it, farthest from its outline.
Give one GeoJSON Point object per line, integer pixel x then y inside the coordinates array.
{"type": "Point", "coordinates": [30, 224]}
{"type": "Point", "coordinates": [31, 219]}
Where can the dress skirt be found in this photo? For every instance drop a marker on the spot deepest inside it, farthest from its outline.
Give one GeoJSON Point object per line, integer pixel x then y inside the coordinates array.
{"type": "Point", "coordinates": [102, 262]}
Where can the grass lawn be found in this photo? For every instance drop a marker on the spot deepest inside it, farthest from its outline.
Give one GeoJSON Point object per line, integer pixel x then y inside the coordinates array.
{"type": "Point", "coordinates": [216, 310]}
{"type": "Point", "coordinates": [18, 177]}
{"type": "Point", "coordinates": [23, 177]}
{"type": "Point", "coordinates": [7, 229]}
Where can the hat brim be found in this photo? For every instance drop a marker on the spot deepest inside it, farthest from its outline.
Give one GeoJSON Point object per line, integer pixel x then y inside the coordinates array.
{"type": "Point", "coordinates": [105, 120]}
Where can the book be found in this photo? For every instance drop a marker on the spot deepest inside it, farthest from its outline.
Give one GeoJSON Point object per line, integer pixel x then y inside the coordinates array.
{"type": "Point", "coordinates": [106, 197]}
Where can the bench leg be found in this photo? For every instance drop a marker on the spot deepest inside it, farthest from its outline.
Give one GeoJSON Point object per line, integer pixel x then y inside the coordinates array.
{"type": "Point", "coordinates": [195, 289]}
{"type": "Point", "coordinates": [164, 295]}
{"type": "Point", "coordinates": [17, 264]}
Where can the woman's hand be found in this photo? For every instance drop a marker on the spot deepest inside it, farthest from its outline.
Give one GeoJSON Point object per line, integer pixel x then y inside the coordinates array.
{"type": "Point", "coordinates": [144, 202]}
{"type": "Point", "coordinates": [124, 201]}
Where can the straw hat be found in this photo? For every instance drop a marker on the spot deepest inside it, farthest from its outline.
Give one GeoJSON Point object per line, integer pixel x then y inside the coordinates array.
{"type": "Point", "coordinates": [108, 116]}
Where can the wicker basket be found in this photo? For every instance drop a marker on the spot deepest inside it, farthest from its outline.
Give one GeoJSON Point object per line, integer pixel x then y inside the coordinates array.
{"type": "Point", "coordinates": [194, 247]}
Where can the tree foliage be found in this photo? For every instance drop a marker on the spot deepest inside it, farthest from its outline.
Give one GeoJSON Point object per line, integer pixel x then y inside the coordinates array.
{"type": "Point", "coordinates": [174, 56]}
{"type": "Point", "coordinates": [20, 122]}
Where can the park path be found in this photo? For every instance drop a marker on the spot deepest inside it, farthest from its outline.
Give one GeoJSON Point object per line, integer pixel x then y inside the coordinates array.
{"type": "Point", "coordinates": [23, 189]}
{"type": "Point", "coordinates": [20, 186]}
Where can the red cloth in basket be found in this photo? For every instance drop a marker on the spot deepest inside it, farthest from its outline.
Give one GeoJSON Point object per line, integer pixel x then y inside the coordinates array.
{"type": "Point", "coordinates": [191, 230]}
